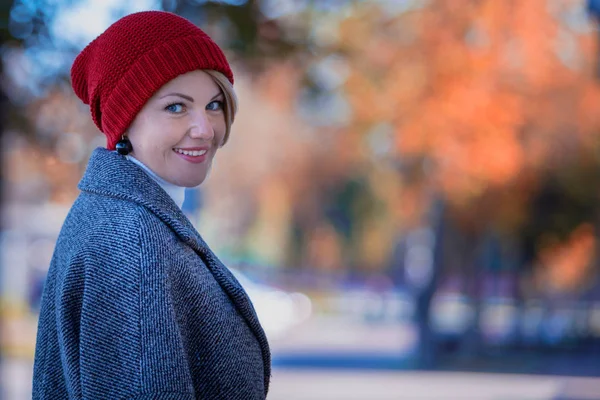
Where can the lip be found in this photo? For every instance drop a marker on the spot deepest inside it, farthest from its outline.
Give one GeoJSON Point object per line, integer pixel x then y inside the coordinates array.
{"type": "Point", "coordinates": [194, 159]}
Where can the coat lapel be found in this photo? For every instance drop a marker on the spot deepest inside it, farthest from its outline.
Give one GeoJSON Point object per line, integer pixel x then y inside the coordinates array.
{"type": "Point", "coordinates": [112, 175]}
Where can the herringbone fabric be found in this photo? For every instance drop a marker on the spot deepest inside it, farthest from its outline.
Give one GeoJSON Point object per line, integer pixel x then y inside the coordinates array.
{"type": "Point", "coordinates": [136, 306]}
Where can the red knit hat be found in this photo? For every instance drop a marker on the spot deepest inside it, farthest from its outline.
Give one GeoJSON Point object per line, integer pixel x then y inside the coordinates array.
{"type": "Point", "coordinates": [120, 70]}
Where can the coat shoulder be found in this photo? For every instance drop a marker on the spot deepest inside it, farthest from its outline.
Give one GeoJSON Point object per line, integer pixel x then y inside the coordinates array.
{"type": "Point", "coordinates": [102, 228]}
{"type": "Point", "coordinates": [96, 220]}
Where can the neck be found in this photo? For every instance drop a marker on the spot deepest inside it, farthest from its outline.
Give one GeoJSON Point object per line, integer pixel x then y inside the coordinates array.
{"type": "Point", "coordinates": [177, 193]}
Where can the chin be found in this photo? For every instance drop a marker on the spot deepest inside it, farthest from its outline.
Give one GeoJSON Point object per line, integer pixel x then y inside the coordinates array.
{"type": "Point", "coordinates": [189, 178]}
{"type": "Point", "coordinates": [191, 183]}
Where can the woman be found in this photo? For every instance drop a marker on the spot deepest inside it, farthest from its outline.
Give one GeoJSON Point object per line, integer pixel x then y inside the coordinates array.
{"type": "Point", "coordinates": [136, 306]}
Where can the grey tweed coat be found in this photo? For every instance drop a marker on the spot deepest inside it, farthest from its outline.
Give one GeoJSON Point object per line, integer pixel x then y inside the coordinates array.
{"type": "Point", "coordinates": [136, 306]}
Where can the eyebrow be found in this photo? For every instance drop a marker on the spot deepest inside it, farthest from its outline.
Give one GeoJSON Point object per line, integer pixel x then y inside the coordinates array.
{"type": "Point", "coordinates": [188, 98]}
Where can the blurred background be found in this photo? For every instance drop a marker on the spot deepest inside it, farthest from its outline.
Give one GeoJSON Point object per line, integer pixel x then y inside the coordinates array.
{"type": "Point", "coordinates": [410, 194]}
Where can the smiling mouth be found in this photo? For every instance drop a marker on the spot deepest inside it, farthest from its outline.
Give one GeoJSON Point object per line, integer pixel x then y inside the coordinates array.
{"type": "Point", "coordinates": [191, 153]}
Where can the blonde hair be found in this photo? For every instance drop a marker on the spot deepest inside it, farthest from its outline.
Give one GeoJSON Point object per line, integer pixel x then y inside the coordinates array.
{"type": "Point", "coordinates": [231, 101]}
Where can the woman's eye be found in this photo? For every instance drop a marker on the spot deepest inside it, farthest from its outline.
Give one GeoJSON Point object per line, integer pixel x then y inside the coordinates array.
{"type": "Point", "coordinates": [215, 105]}
{"type": "Point", "coordinates": [175, 108]}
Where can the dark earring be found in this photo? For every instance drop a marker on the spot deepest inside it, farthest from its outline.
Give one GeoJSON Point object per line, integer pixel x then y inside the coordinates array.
{"type": "Point", "coordinates": [124, 146]}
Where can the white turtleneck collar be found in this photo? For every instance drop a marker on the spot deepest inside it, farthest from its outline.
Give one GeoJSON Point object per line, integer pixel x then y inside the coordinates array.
{"type": "Point", "coordinates": [177, 193]}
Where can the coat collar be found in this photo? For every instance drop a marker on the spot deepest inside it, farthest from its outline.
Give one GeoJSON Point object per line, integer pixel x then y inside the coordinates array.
{"type": "Point", "coordinates": [112, 175]}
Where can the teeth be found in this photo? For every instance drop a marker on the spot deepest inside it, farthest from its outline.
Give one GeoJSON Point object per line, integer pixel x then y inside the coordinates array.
{"type": "Point", "coordinates": [194, 153]}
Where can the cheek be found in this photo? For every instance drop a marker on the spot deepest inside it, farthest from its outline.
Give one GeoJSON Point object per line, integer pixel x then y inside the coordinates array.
{"type": "Point", "coordinates": [220, 128]}
{"type": "Point", "coordinates": [163, 136]}
{"type": "Point", "coordinates": [143, 132]}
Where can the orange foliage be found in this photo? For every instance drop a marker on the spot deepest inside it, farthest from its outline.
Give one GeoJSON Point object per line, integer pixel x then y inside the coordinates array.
{"type": "Point", "coordinates": [481, 88]}
{"type": "Point", "coordinates": [566, 265]}
{"type": "Point", "coordinates": [481, 100]}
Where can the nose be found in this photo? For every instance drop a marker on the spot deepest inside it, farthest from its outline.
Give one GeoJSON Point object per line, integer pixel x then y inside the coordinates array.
{"type": "Point", "coordinates": [201, 127]}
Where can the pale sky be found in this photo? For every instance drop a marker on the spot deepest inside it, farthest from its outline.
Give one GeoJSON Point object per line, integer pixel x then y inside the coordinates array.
{"type": "Point", "coordinates": [81, 23]}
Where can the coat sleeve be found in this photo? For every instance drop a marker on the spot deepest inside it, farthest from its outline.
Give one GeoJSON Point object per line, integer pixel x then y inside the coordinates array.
{"type": "Point", "coordinates": [110, 348]}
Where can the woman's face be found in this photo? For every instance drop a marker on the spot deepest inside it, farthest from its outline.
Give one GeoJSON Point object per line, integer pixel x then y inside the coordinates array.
{"type": "Point", "coordinates": [180, 128]}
